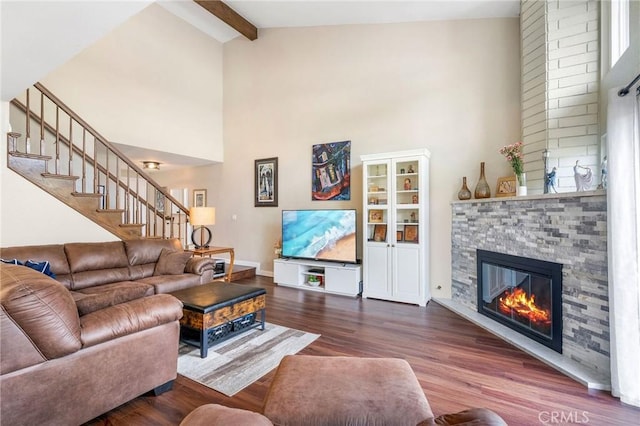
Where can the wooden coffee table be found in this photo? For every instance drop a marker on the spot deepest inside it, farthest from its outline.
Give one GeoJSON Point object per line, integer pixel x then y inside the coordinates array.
{"type": "Point", "coordinates": [216, 311]}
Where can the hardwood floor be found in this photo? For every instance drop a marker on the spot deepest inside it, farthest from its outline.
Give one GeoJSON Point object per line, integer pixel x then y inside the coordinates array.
{"type": "Point", "coordinates": [458, 364]}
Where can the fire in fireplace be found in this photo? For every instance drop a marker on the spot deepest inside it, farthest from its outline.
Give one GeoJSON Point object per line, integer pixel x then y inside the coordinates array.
{"type": "Point", "coordinates": [523, 294]}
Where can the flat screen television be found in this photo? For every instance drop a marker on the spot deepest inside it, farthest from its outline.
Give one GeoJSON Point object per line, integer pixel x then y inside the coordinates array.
{"type": "Point", "coordinates": [319, 235]}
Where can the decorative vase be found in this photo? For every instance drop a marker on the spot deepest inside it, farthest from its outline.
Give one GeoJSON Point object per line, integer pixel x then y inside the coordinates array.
{"type": "Point", "coordinates": [482, 188]}
{"type": "Point", "coordinates": [521, 188]}
{"type": "Point", "coordinates": [464, 193]}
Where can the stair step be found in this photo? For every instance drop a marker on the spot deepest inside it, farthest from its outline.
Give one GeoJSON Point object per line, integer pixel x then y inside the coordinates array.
{"type": "Point", "coordinates": [56, 176]}
{"type": "Point", "coordinates": [131, 225]}
{"type": "Point", "coordinates": [119, 211]}
{"type": "Point", "coordinates": [86, 194]}
{"type": "Point", "coordinates": [241, 272]}
{"type": "Point", "coordinates": [28, 155]}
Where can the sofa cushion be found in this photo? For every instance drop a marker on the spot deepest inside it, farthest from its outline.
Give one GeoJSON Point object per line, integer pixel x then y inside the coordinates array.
{"type": "Point", "coordinates": [144, 251]}
{"type": "Point", "coordinates": [338, 390]}
{"type": "Point", "coordinates": [170, 283]}
{"type": "Point", "coordinates": [43, 308]}
{"type": "Point", "coordinates": [97, 263]}
{"type": "Point", "coordinates": [91, 299]}
{"type": "Point", "coordinates": [52, 253]}
{"type": "Point", "coordinates": [215, 414]}
{"type": "Point", "coordinates": [172, 262]}
{"type": "Point", "coordinates": [128, 318]}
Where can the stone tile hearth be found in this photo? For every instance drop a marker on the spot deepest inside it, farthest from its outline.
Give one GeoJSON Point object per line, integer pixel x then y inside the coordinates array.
{"type": "Point", "coordinates": [570, 229]}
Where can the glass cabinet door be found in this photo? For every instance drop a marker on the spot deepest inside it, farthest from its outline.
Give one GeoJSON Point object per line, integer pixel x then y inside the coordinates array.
{"type": "Point", "coordinates": [377, 193]}
{"type": "Point", "coordinates": [407, 202]}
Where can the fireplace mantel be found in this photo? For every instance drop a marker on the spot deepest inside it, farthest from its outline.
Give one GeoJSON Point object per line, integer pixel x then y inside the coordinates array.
{"type": "Point", "coordinates": [567, 228]}
{"type": "Point", "coordinates": [542, 197]}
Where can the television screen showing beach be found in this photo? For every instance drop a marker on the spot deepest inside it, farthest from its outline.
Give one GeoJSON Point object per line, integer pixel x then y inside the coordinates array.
{"type": "Point", "coordinates": [319, 234]}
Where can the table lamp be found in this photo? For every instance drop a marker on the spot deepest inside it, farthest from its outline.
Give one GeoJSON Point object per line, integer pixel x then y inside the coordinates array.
{"type": "Point", "coordinates": [200, 217]}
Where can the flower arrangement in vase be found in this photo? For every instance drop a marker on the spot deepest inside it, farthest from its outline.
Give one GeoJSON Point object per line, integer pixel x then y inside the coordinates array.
{"type": "Point", "coordinates": [513, 154]}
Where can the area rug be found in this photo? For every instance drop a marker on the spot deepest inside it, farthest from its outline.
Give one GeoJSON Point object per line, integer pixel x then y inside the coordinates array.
{"type": "Point", "coordinates": [234, 364]}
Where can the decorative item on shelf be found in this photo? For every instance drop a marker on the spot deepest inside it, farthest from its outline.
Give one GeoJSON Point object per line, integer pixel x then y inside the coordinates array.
{"type": "Point", "coordinates": [407, 184]}
{"type": "Point", "coordinates": [413, 217]}
{"type": "Point", "coordinates": [521, 189]}
{"type": "Point", "coordinates": [410, 170]}
{"type": "Point", "coordinates": [603, 174]}
{"type": "Point", "coordinates": [583, 181]}
{"type": "Point", "coordinates": [414, 199]}
{"type": "Point", "coordinates": [373, 188]}
{"type": "Point", "coordinates": [401, 171]}
{"type": "Point", "coordinates": [277, 248]}
{"type": "Point", "coordinates": [411, 233]}
{"type": "Point", "coordinates": [464, 193]}
{"type": "Point", "coordinates": [375, 216]}
{"type": "Point", "coordinates": [380, 233]}
{"type": "Point", "coordinates": [513, 154]}
{"type": "Point", "coordinates": [399, 236]}
{"type": "Point", "coordinates": [482, 188]}
{"type": "Point", "coordinates": [314, 280]}
{"type": "Point", "coordinates": [373, 200]}
{"type": "Point", "coordinates": [506, 186]}
{"type": "Point", "coordinates": [545, 163]}
{"type": "Point", "coordinates": [200, 217]}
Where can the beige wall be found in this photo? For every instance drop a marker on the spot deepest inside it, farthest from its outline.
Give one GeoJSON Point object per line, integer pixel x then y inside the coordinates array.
{"type": "Point", "coordinates": [154, 82]}
{"type": "Point", "coordinates": [452, 87]}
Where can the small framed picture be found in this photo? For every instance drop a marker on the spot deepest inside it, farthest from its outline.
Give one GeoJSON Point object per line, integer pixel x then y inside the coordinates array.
{"type": "Point", "coordinates": [266, 182]}
{"type": "Point", "coordinates": [380, 233]}
{"type": "Point", "coordinates": [375, 216]}
{"type": "Point", "coordinates": [399, 236]}
{"type": "Point", "coordinates": [411, 233]}
{"type": "Point", "coordinates": [199, 198]}
{"type": "Point", "coordinates": [506, 187]}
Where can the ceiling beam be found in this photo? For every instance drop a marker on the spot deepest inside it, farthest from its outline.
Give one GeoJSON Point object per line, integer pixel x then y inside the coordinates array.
{"type": "Point", "coordinates": [230, 17]}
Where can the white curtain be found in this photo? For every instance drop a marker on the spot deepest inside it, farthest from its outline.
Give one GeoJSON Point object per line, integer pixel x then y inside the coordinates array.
{"type": "Point", "coordinates": [623, 200]}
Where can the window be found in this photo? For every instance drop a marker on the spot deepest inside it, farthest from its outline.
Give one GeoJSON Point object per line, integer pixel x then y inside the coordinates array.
{"type": "Point", "coordinates": [619, 29]}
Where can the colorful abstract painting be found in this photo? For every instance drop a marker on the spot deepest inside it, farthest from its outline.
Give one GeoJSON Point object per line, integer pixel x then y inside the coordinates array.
{"type": "Point", "coordinates": [331, 171]}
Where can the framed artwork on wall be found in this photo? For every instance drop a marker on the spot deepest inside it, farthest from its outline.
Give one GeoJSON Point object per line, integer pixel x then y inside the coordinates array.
{"type": "Point", "coordinates": [199, 198]}
{"type": "Point", "coordinates": [266, 182]}
{"type": "Point", "coordinates": [331, 171]}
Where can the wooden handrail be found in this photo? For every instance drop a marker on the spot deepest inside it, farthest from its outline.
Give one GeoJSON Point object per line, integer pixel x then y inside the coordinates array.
{"type": "Point", "coordinates": [133, 201]}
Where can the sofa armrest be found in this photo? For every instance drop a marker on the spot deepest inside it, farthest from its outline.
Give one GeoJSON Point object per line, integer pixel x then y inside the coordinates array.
{"type": "Point", "coordinates": [128, 318]}
{"type": "Point", "coordinates": [199, 265]}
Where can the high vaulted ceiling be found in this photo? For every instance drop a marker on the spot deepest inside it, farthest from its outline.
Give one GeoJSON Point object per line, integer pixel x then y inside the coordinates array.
{"type": "Point", "coordinates": [304, 13]}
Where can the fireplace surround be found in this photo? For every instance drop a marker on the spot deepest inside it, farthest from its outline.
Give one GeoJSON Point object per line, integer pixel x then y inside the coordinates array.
{"type": "Point", "coordinates": [569, 229]}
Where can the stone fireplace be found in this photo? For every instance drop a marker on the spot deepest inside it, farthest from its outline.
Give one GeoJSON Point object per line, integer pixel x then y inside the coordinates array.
{"type": "Point", "coordinates": [568, 229]}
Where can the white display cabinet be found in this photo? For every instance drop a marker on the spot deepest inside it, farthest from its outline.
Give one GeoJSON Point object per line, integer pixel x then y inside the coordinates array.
{"type": "Point", "coordinates": [315, 275]}
{"type": "Point", "coordinates": [396, 226]}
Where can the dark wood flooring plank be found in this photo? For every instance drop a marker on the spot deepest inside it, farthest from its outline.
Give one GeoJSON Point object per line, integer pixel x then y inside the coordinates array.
{"type": "Point", "coordinates": [458, 364]}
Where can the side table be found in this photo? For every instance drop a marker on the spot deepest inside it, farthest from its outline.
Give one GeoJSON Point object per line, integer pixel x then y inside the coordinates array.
{"type": "Point", "coordinates": [209, 251]}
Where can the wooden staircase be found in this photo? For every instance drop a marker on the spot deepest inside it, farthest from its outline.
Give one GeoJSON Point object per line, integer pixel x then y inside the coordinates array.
{"type": "Point", "coordinates": [79, 167]}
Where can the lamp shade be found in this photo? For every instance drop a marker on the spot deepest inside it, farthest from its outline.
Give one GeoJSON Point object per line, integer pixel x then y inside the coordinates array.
{"type": "Point", "coordinates": [201, 216]}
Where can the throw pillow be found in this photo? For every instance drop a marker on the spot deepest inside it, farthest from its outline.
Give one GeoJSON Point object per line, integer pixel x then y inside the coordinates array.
{"type": "Point", "coordinates": [12, 261]}
{"type": "Point", "coordinates": [172, 262]}
{"type": "Point", "coordinates": [43, 267]}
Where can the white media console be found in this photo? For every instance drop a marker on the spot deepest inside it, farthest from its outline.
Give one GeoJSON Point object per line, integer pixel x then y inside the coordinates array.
{"type": "Point", "coordinates": [315, 275]}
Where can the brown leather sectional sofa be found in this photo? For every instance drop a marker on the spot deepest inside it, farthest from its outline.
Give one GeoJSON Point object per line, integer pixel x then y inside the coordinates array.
{"type": "Point", "coordinates": [98, 335]}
